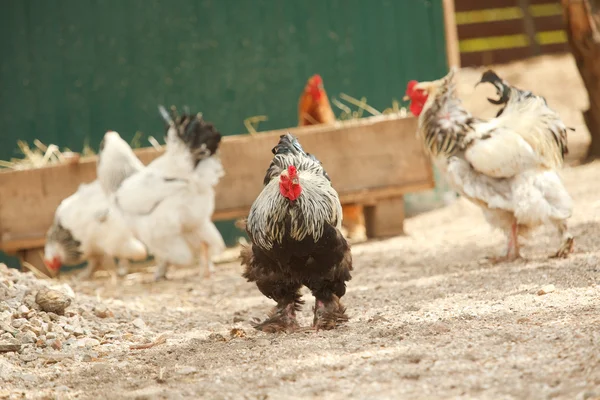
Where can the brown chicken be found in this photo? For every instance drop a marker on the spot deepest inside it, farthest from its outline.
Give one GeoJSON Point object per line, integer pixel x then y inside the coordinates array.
{"type": "Point", "coordinates": [313, 109]}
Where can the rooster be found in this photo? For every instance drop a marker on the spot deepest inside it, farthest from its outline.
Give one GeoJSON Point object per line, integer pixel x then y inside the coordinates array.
{"type": "Point", "coordinates": [169, 203]}
{"type": "Point", "coordinates": [506, 165]}
{"type": "Point", "coordinates": [84, 229]}
{"type": "Point", "coordinates": [314, 109]}
{"type": "Point", "coordinates": [294, 226]}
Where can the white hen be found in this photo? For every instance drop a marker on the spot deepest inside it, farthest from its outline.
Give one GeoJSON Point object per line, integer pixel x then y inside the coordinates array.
{"type": "Point", "coordinates": [85, 230]}
{"type": "Point", "coordinates": [507, 165]}
{"type": "Point", "coordinates": [169, 203]}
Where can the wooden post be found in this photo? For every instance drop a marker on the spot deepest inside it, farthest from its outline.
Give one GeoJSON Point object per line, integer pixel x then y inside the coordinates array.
{"type": "Point", "coordinates": [529, 26]}
{"type": "Point", "coordinates": [386, 218]}
{"type": "Point", "coordinates": [583, 26]}
{"type": "Point", "coordinates": [452, 47]}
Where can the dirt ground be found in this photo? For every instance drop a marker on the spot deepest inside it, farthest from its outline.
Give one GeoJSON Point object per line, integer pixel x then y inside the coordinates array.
{"type": "Point", "coordinates": [429, 318]}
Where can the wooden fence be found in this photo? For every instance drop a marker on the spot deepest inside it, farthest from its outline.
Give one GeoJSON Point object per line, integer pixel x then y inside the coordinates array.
{"type": "Point", "coordinates": [500, 31]}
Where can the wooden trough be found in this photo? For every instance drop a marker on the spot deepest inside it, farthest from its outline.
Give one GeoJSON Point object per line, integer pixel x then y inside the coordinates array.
{"type": "Point", "coordinates": [373, 161]}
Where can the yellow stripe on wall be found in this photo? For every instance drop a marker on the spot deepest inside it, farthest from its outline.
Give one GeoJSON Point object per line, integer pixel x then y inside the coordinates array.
{"type": "Point", "coordinates": [493, 43]}
{"type": "Point", "coordinates": [551, 37]}
{"type": "Point", "coordinates": [506, 13]}
{"type": "Point", "coordinates": [510, 41]}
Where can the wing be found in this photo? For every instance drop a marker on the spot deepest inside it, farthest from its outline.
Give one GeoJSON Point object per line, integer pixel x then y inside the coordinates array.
{"type": "Point", "coordinates": [498, 152]}
{"type": "Point", "coordinates": [142, 193]}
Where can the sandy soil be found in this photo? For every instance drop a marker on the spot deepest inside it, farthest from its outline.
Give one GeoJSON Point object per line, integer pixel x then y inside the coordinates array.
{"type": "Point", "coordinates": [428, 319]}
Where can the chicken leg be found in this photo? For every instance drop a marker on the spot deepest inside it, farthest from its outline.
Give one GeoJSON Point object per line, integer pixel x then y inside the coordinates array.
{"type": "Point", "coordinates": [89, 270]}
{"type": "Point", "coordinates": [567, 240]}
{"type": "Point", "coordinates": [513, 249]}
{"type": "Point", "coordinates": [283, 317]}
{"type": "Point", "coordinates": [160, 273]}
{"type": "Point", "coordinates": [122, 267]}
{"type": "Point", "coordinates": [329, 312]}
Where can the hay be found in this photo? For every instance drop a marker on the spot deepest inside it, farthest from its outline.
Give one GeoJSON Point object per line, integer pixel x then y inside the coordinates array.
{"type": "Point", "coordinates": [41, 155]}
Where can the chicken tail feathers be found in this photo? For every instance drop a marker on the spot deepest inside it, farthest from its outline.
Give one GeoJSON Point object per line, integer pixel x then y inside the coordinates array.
{"type": "Point", "coordinates": [200, 137]}
{"type": "Point", "coordinates": [502, 88]}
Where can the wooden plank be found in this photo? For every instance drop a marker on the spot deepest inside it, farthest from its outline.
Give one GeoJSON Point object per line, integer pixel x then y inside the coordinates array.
{"type": "Point", "coordinates": [492, 28]}
{"type": "Point", "coordinates": [477, 59]}
{"type": "Point", "coordinates": [365, 158]}
{"type": "Point", "coordinates": [473, 5]}
{"type": "Point", "coordinates": [551, 23]}
{"type": "Point", "coordinates": [452, 50]}
{"type": "Point", "coordinates": [386, 218]}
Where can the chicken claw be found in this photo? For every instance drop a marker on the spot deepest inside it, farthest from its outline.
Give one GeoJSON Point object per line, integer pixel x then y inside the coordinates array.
{"type": "Point", "coordinates": [329, 315]}
{"type": "Point", "coordinates": [279, 320]}
{"type": "Point", "coordinates": [565, 249]}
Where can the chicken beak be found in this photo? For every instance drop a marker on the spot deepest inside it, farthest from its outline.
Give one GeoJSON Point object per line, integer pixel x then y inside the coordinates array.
{"type": "Point", "coordinates": [405, 98]}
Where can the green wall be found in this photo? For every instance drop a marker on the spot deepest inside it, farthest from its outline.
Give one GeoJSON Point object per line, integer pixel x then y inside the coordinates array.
{"type": "Point", "coordinates": [72, 69]}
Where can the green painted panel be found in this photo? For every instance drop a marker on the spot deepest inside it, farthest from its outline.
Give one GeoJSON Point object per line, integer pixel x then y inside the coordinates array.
{"type": "Point", "coordinates": [72, 69]}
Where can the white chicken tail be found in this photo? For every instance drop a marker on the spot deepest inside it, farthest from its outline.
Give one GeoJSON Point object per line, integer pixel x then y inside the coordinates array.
{"type": "Point", "coordinates": [116, 162]}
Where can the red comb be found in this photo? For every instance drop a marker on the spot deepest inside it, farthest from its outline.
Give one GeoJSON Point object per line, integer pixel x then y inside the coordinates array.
{"type": "Point", "coordinates": [316, 79]}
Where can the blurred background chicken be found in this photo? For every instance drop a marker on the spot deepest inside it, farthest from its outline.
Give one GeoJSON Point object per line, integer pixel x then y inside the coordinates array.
{"type": "Point", "coordinates": [170, 202]}
{"type": "Point", "coordinates": [507, 165]}
{"type": "Point", "coordinates": [85, 230]}
{"type": "Point", "coordinates": [314, 108]}
{"type": "Point", "coordinates": [294, 226]}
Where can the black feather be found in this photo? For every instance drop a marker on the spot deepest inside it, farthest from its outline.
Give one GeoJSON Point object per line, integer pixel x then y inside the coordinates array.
{"type": "Point", "coordinates": [201, 137]}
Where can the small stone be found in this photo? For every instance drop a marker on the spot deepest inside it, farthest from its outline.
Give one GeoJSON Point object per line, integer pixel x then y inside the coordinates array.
{"type": "Point", "coordinates": [101, 311]}
{"type": "Point", "coordinates": [186, 370]}
{"type": "Point", "coordinates": [87, 342]}
{"type": "Point", "coordinates": [27, 337]}
{"type": "Point", "coordinates": [139, 323]}
{"type": "Point", "coordinates": [29, 377]}
{"type": "Point", "coordinates": [23, 309]}
{"type": "Point", "coordinates": [56, 344]}
{"type": "Point", "coordinates": [546, 289]}
{"type": "Point", "coordinates": [52, 301]}
{"type": "Point", "coordinates": [28, 357]}
{"type": "Point", "coordinates": [6, 347]}
{"type": "Point", "coordinates": [78, 331]}
{"type": "Point", "coordinates": [51, 335]}
{"type": "Point", "coordinates": [263, 342]}
{"type": "Point", "coordinates": [237, 332]}
{"type": "Point", "coordinates": [18, 323]}
{"type": "Point", "coordinates": [217, 337]}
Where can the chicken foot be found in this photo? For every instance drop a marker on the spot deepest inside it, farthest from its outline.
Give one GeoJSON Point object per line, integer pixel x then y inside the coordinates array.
{"type": "Point", "coordinates": [567, 240]}
{"type": "Point", "coordinates": [90, 268]}
{"type": "Point", "coordinates": [160, 272]}
{"type": "Point", "coordinates": [513, 249]}
{"type": "Point", "coordinates": [329, 314]}
{"type": "Point", "coordinates": [206, 257]}
{"type": "Point", "coordinates": [281, 319]}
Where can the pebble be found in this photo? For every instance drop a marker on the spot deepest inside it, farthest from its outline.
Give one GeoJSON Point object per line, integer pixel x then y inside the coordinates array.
{"type": "Point", "coordinates": [27, 337]}
{"type": "Point", "coordinates": [139, 323]}
{"type": "Point", "coordinates": [87, 342]}
{"type": "Point", "coordinates": [28, 357]}
{"type": "Point", "coordinates": [263, 342]}
{"type": "Point", "coordinates": [18, 323]}
{"type": "Point", "coordinates": [546, 289]}
{"type": "Point", "coordinates": [23, 309]}
{"type": "Point", "coordinates": [101, 311]}
{"type": "Point", "coordinates": [186, 370]}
